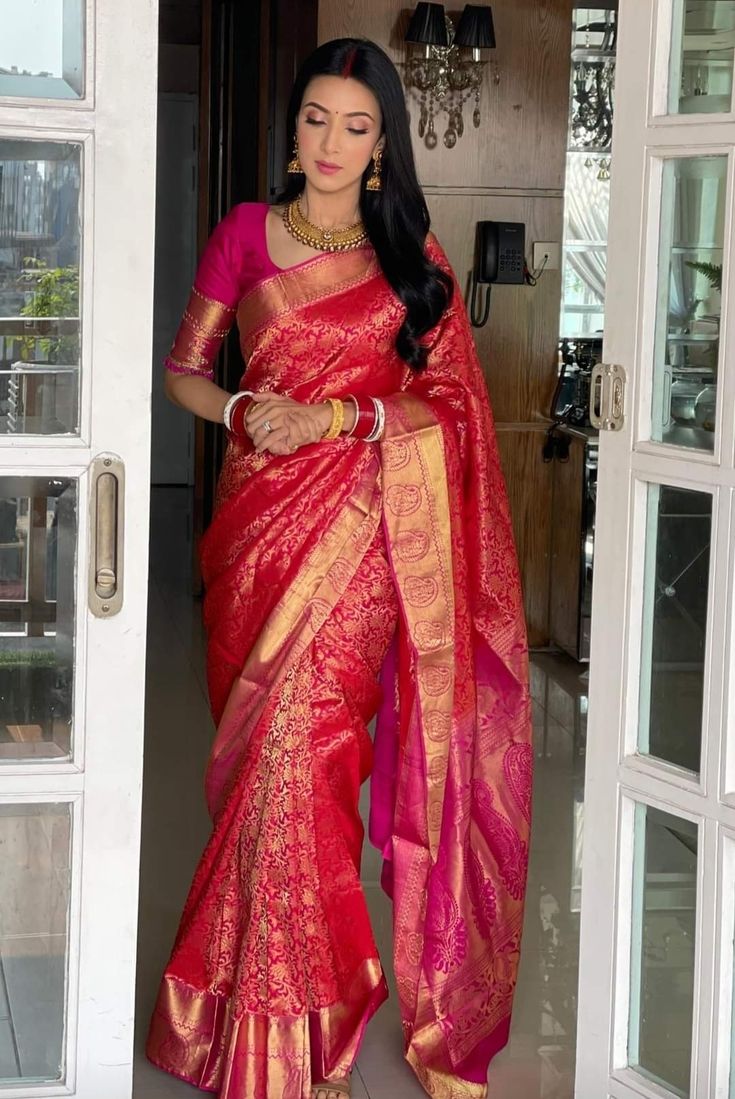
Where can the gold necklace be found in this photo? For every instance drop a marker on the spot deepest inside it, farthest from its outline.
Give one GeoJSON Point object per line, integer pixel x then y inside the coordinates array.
{"type": "Point", "coordinates": [324, 240]}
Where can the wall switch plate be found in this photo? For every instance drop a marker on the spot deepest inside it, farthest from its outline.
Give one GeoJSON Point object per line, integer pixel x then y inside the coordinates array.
{"type": "Point", "coordinates": [554, 253]}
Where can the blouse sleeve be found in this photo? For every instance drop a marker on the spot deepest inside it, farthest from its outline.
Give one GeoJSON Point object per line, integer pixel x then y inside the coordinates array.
{"type": "Point", "coordinates": [210, 311]}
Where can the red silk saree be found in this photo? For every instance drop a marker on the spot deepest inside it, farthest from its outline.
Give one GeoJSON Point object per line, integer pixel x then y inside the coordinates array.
{"type": "Point", "coordinates": [345, 580]}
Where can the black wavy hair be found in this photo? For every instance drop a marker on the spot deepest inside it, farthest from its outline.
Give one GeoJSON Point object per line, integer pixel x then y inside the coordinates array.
{"type": "Point", "coordinates": [396, 218]}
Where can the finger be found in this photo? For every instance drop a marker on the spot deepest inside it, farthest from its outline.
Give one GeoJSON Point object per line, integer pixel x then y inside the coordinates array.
{"type": "Point", "coordinates": [284, 448]}
{"type": "Point", "coordinates": [292, 439]}
{"type": "Point", "coordinates": [300, 434]}
{"type": "Point", "coordinates": [273, 416]}
{"type": "Point", "coordinates": [303, 426]}
{"type": "Point", "coordinates": [278, 398]}
{"type": "Point", "coordinates": [281, 444]}
{"type": "Point", "coordinates": [278, 448]}
{"type": "Point", "coordinates": [255, 411]}
{"type": "Point", "coordinates": [261, 436]}
{"type": "Point", "coordinates": [269, 410]}
{"type": "Point", "coordinates": [272, 438]}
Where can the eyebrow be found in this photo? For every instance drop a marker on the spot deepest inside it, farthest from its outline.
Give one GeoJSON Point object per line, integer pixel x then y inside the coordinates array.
{"type": "Point", "coordinates": [350, 114]}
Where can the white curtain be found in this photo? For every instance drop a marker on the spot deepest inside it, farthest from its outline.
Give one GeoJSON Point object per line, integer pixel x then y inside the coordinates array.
{"type": "Point", "coordinates": [699, 210]}
{"type": "Point", "coordinates": [587, 206]}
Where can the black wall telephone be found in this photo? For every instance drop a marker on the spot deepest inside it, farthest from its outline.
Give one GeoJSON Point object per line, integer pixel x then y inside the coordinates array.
{"type": "Point", "coordinates": [500, 257]}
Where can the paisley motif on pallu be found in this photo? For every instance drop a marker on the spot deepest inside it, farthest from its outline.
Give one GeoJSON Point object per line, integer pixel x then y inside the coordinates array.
{"type": "Point", "coordinates": [341, 578]}
{"type": "Point", "coordinates": [452, 783]}
{"type": "Point", "coordinates": [518, 770]}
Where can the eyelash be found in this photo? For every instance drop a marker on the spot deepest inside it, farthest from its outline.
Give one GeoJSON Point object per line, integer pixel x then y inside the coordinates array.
{"type": "Point", "coordinates": [316, 122]}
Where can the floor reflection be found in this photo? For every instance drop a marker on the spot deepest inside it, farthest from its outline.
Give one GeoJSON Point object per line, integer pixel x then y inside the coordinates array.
{"type": "Point", "coordinates": [538, 1062]}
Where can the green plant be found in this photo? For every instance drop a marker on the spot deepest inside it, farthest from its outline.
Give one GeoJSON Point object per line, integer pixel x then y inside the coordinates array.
{"type": "Point", "coordinates": [55, 294]}
{"type": "Point", "coordinates": [14, 658]}
{"type": "Point", "coordinates": [711, 271]}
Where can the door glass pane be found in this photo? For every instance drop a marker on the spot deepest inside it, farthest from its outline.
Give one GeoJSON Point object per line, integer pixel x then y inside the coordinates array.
{"type": "Point", "coordinates": [663, 944]}
{"type": "Point", "coordinates": [40, 190]}
{"type": "Point", "coordinates": [38, 521]}
{"type": "Point", "coordinates": [702, 57]}
{"type": "Point", "coordinates": [42, 48]}
{"type": "Point", "coordinates": [689, 305]}
{"type": "Point", "coordinates": [35, 855]}
{"type": "Point", "coordinates": [678, 534]}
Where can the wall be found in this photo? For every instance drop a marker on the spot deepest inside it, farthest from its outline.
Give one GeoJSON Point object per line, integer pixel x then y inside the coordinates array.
{"type": "Point", "coordinates": [510, 169]}
{"type": "Point", "coordinates": [179, 39]}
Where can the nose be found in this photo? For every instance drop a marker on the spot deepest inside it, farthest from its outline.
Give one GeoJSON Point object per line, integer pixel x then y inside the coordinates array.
{"type": "Point", "coordinates": [331, 138]}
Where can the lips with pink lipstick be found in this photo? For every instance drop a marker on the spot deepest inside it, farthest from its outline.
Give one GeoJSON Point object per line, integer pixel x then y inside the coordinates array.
{"type": "Point", "coordinates": [327, 168]}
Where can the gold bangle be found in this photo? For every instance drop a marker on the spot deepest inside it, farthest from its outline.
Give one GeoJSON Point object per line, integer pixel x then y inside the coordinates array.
{"type": "Point", "coordinates": [338, 418]}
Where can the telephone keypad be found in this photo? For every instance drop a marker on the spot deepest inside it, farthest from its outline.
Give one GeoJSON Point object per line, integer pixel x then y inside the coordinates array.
{"type": "Point", "coordinates": [511, 259]}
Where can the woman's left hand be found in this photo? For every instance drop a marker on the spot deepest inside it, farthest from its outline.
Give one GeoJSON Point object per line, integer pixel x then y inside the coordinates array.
{"type": "Point", "coordinates": [293, 423]}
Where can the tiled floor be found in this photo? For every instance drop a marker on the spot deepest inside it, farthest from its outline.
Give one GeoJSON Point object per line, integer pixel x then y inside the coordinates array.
{"type": "Point", "coordinates": [538, 1062]}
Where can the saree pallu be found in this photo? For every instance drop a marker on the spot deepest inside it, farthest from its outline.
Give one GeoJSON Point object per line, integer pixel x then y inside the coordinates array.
{"type": "Point", "coordinates": [347, 579]}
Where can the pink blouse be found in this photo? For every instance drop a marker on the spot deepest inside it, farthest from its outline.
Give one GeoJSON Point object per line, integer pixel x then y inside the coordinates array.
{"type": "Point", "coordinates": [234, 260]}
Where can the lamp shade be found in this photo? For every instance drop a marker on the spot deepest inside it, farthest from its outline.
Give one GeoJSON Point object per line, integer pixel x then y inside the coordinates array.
{"type": "Point", "coordinates": [475, 28]}
{"type": "Point", "coordinates": [428, 25]}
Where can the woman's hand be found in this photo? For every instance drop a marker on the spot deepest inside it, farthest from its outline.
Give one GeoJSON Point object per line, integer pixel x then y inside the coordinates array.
{"type": "Point", "coordinates": [293, 423]}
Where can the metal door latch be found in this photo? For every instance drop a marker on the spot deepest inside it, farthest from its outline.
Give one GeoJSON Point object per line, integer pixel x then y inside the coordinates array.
{"type": "Point", "coordinates": [607, 397]}
{"type": "Point", "coordinates": [106, 513]}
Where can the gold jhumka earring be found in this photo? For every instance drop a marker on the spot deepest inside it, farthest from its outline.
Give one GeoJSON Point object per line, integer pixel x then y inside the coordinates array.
{"type": "Point", "coordinates": [294, 165]}
{"type": "Point", "coordinates": [374, 183]}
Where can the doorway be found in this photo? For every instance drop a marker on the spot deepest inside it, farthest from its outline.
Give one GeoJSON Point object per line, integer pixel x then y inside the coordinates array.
{"type": "Point", "coordinates": [659, 807]}
{"type": "Point", "coordinates": [540, 1058]}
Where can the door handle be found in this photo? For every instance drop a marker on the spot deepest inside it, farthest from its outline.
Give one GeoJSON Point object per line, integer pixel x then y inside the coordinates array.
{"type": "Point", "coordinates": [106, 514]}
{"type": "Point", "coordinates": [607, 397]}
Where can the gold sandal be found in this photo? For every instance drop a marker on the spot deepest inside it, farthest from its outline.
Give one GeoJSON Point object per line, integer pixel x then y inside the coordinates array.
{"type": "Point", "coordinates": [339, 1087]}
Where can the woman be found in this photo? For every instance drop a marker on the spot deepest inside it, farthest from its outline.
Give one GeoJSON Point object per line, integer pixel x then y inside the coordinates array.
{"type": "Point", "coordinates": [360, 560]}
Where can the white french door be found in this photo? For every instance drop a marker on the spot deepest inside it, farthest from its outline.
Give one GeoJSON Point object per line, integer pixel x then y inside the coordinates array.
{"type": "Point", "coordinates": [77, 168]}
{"type": "Point", "coordinates": [658, 894]}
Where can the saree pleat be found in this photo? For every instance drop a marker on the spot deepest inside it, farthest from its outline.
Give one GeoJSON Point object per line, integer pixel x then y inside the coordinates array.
{"type": "Point", "coordinates": [346, 580]}
{"type": "Point", "coordinates": [276, 926]}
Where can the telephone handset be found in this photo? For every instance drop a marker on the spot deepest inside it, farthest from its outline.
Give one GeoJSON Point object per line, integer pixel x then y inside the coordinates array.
{"type": "Point", "coordinates": [500, 254]}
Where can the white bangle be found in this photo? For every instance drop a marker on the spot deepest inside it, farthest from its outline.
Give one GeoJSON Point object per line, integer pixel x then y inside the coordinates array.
{"type": "Point", "coordinates": [227, 410]}
{"type": "Point", "coordinates": [377, 430]}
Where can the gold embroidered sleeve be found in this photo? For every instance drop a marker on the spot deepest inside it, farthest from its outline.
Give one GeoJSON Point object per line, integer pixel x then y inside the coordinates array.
{"type": "Point", "coordinates": [203, 327]}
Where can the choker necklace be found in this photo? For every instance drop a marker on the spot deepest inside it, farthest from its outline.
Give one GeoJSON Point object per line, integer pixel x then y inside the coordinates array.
{"type": "Point", "coordinates": [324, 240]}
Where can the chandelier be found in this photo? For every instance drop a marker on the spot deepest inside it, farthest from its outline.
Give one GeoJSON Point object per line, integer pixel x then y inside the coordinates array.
{"type": "Point", "coordinates": [593, 88]}
{"type": "Point", "coordinates": [443, 77]}
{"type": "Point", "coordinates": [592, 104]}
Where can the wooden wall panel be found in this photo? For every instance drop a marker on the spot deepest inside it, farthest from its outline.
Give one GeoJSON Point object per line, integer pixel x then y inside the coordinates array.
{"type": "Point", "coordinates": [530, 484]}
{"type": "Point", "coordinates": [523, 117]}
{"type": "Point", "coordinates": [518, 345]}
{"type": "Point", "coordinates": [566, 547]}
{"type": "Point", "coordinates": [510, 169]}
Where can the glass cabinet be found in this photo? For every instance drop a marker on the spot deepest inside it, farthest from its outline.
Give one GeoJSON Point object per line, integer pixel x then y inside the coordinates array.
{"type": "Point", "coordinates": [703, 43]}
